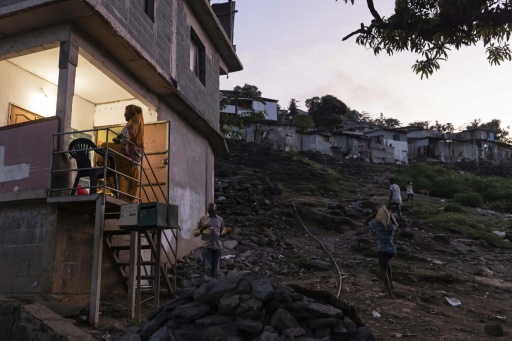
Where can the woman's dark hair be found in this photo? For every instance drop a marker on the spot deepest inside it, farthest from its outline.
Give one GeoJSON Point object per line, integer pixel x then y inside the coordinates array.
{"type": "Point", "coordinates": [134, 109]}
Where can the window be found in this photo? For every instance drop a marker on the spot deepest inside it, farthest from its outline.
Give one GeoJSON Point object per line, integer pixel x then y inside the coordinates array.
{"type": "Point", "coordinates": [197, 57]}
{"type": "Point", "coordinates": [149, 8]}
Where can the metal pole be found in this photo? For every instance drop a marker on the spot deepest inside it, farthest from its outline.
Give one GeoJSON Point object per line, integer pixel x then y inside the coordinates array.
{"type": "Point", "coordinates": [99, 222]}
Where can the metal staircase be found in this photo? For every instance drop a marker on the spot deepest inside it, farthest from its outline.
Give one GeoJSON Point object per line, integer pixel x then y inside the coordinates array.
{"type": "Point", "coordinates": [155, 257]}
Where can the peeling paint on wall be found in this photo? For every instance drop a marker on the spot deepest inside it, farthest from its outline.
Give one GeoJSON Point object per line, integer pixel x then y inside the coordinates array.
{"type": "Point", "coordinates": [13, 172]}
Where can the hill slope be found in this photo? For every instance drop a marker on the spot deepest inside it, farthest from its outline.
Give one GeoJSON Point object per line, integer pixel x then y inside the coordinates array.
{"type": "Point", "coordinates": [262, 193]}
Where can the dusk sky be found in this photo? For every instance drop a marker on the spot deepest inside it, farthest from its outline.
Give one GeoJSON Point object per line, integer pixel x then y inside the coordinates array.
{"type": "Point", "coordinates": [294, 49]}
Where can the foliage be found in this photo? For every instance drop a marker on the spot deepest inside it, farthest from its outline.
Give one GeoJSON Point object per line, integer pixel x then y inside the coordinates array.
{"type": "Point", "coordinates": [420, 124]}
{"type": "Point", "coordinates": [230, 124]}
{"type": "Point", "coordinates": [327, 112]}
{"type": "Point", "coordinates": [492, 191]}
{"type": "Point", "coordinates": [431, 28]}
{"type": "Point", "coordinates": [469, 199]}
{"type": "Point", "coordinates": [292, 107]}
{"type": "Point", "coordinates": [385, 122]}
{"type": "Point", "coordinates": [469, 226]}
{"type": "Point", "coordinates": [304, 122]}
{"type": "Point", "coordinates": [453, 208]}
{"type": "Point", "coordinates": [501, 134]}
{"type": "Point", "coordinates": [447, 187]}
{"type": "Point", "coordinates": [443, 128]}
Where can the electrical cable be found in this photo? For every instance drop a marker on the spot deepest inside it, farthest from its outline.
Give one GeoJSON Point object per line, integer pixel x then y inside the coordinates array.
{"type": "Point", "coordinates": [328, 253]}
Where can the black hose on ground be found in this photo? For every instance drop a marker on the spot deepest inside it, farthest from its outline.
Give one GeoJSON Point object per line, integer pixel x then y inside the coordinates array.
{"type": "Point", "coordinates": [340, 281]}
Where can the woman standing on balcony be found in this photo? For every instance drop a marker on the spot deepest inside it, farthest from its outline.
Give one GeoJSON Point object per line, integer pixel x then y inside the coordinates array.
{"type": "Point", "coordinates": [129, 143]}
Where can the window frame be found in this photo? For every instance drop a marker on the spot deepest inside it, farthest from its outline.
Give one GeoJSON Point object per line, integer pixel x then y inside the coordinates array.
{"type": "Point", "coordinates": [197, 58]}
{"type": "Point", "coordinates": [148, 6]}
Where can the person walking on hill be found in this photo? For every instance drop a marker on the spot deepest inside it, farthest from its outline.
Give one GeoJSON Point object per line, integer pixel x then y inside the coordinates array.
{"type": "Point", "coordinates": [395, 198]}
{"type": "Point", "coordinates": [211, 228]}
{"type": "Point", "coordinates": [410, 193]}
{"type": "Point", "coordinates": [383, 225]}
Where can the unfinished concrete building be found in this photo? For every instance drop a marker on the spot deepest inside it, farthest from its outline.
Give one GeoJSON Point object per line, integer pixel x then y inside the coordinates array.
{"type": "Point", "coordinates": [68, 69]}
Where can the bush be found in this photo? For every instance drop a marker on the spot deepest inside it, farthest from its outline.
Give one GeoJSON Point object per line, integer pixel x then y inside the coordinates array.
{"type": "Point", "coordinates": [504, 206]}
{"type": "Point", "coordinates": [447, 187]}
{"type": "Point", "coordinates": [452, 208]}
{"type": "Point", "coordinates": [469, 199]}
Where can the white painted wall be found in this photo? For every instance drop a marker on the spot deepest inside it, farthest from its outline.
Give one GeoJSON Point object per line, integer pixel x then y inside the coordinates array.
{"type": "Point", "coordinates": [113, 113]}
{"type": "Point", "coordinates": [25, 90]}
{"type": "Point", "coordinates": [191, 166]}
{"type": "Point", "coordinates": [269, 107]}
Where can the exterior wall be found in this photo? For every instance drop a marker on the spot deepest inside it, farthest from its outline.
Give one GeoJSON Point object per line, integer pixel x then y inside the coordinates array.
{"type": "Point", "coordinates": [191, 166]}
{"type": "Point", "coordinates": [280, 137]}
{"type": "Point", "coordinates": [269, 107]}
{"type": "Point", "coordinates": [316, 143]}
{"type": "Point", "coordinates": [166, 44]}
{"type": "Point", "coordinates": [349, 144]}
{"type": "Point", "coordinates": [205, 97]}
{"type": "Point", "coordinates": [26, 248]}
{"type": "Point", "coordinates": [26, 154]}
{"type": "Point", "coordinates": [152, 39]}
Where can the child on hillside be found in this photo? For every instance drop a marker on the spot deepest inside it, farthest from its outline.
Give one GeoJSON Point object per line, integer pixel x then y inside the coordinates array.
{"type": "Point", "coordinates": [410, 193]}
{"type": "Point", "coordinates": [395, 198]}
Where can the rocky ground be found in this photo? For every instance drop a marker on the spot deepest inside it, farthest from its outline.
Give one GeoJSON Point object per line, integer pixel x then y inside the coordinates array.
{"type": "Point", "coordinates": [290, 211]}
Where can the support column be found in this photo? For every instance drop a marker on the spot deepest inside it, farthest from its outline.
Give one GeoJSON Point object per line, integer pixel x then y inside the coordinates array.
{"type": "Point", "coordinates": [68, 61]}
{"type": "Point", "coordinates": [99, 224]}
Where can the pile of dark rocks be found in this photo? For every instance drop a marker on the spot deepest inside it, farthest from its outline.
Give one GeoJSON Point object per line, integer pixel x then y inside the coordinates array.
{"type": "Point", "coordinates": [246, 307]}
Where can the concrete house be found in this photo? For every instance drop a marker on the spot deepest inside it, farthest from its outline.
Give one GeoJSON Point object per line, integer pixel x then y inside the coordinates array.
{"type": "Point", "coordinates": [395, 138]}
{"type": "Point", "coordinates": [249, 105]}
{"type": "Point", "coordinates": [315, 141]}
{"type": "Point", "coordinates": [414, 134]}
{"type": "Point", "coordinates": [278, 136]}
{"type": "Point", "coordinates": [444, 149]}
{"type": "Point", "coordinates": [351, 144]}
{"type": "Point", "coordinates": [68, 69]}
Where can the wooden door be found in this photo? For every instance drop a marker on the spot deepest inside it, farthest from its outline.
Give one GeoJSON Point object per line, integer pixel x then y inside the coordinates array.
{"type": "Point", "coordinates": [155, 175]}
{"type": "Point", "coordinates": [19, 115]}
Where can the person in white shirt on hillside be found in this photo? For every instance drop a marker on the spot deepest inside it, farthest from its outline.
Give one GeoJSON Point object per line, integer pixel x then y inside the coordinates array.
{"type": "Point", "coordinates": [395, 198]}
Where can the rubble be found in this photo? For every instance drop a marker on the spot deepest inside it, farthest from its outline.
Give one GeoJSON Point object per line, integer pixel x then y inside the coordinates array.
{"type": "Point", "coordinates": [247, 307]}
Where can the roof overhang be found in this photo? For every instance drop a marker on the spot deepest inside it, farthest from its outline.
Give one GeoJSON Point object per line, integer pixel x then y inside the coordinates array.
{"type": "Point", "coordinates": [214, 30]}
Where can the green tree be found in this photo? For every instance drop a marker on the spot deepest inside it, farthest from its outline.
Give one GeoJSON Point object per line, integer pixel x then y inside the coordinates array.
{"type": "Point", "coordinates": [386, 122]}
{"type": "Point", "coordinates": [431, 28]}
{"type": "Point", "coordinates": [443, 128]}
{"type": "Point", "coordinates": [327, 111]}
{"type": "Point", "coordinates": [292, 107]}
{"type": "Point", "coordinates": [304, 122]}
{"type": "Point", "coordinates": [501, 134]}
{"type": "Point", "coordinates": [420, 124]}
{"type": "Point", "coordinates": [231, 123]}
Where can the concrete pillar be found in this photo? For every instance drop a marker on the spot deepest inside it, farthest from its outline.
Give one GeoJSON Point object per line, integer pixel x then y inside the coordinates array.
{"type": "Point", "coordinates": [68, 61]}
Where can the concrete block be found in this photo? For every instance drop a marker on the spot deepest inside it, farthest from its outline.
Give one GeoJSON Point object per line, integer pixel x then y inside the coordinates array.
{"type": "Point", "coordinates": [14, 268]}
{"type": "Point", "coordinates": [29, 252]}
{"type": "Point", "coordinates": [7, 253]}
{"type": "Point", "coordinates": [35, 267]}
{"type": "Point", "coordinates": [26, 284]}
{"type": "Point", "coordinates": [26, 237]}
{"type": "Point", "coordinates": [12, 237]}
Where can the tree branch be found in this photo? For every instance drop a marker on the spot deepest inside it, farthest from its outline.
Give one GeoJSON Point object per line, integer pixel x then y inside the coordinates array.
{"type": "Point", "coordinates": [373, 11]}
